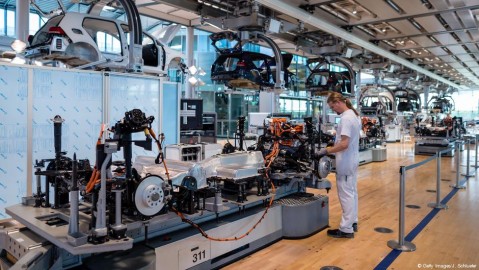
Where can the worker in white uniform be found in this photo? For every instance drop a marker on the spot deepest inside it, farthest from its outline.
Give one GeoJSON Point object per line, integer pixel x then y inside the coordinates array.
{"type": "Point", "coordinates": [346, 149]}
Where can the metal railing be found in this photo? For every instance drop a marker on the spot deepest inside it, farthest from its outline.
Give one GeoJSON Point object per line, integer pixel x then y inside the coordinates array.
{"type": "Point", "coordinates": [468, 174]}
{"type": "Point", "coordinates": [401, 244]}
{"type": "Point", "coordinates": [475, 145]}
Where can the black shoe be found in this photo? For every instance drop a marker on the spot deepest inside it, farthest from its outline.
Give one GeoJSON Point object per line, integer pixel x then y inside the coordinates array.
{"type": "Point", "coordinates": [339, 234]}
{"type": "Point", "coordinates": [355, 227]}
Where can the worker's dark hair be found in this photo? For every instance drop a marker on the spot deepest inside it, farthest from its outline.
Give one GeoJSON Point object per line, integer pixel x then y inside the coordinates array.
{"type": "Point", "coordinates": [335, 97]}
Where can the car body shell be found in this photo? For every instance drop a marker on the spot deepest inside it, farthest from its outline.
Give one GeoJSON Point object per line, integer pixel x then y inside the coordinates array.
{"type": "Point", "coordinates": [72, 39]}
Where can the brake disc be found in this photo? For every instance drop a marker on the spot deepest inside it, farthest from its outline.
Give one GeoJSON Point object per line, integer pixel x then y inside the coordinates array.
{"type": "Point", "coordinates": [149, 195]}
{"type": "Point", "coordinates": [324, 166]}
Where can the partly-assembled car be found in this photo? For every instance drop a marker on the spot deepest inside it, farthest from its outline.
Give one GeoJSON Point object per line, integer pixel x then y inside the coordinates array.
{"type": "Point", "coordinates": [377, 101]}
{"type": "Point", "coordinates": [322, 80]}
{"type": "Point", "coordinates": [408, 100]}
{"type": "Point", "coordinates": [88, 41]}
{"type": "Point", "coordinates": [238, 68]}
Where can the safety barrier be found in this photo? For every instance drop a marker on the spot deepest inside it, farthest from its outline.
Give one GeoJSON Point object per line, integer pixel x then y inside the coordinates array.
{"type": "Point", "coordinates": [401, 244]}
{"type": "Point", "coordinates": [475, 145]}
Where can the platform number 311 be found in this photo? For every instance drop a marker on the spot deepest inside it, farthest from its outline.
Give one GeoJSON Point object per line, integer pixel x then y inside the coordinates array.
{"type": "Point", "coordinates": [199, 255]}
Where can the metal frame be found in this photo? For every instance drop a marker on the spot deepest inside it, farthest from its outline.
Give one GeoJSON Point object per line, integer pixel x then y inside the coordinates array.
{"type": "Point", "coordinates": [328, 27]}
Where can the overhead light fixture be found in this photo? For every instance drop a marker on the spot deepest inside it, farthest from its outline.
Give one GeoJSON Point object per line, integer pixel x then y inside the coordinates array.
{"type": "Point", "coordinates": [355, 10]}
{"type": "Point", "coordinates": [395, 6]}
{"type": "Point", "coordinates": [18, 60]}
{"type": "Point", "coordinates": [193, 80]}
{"type": "Point", "coordinates": [192, 70]}
{"type": "Point", "coordinates": [18, 46]}
{"type": "Point", "coordinates": [201, 72]}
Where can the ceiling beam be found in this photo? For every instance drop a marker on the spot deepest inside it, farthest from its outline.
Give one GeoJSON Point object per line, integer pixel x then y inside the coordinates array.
{"type": "Point", "coordinates": [435, 46]}
{"type": "Point", "coordinates": [389, 37]}
{"type": "Point", "coordinates": [193, 6]}
{"type": "Point", "coordinates": [426, 14]}
{"type": "Point", "coordinates": [163, 16]}
{"type": "Point", "coordinates": [286, 8]}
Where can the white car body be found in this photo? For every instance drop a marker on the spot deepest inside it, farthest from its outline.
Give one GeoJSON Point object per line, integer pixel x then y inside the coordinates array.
{"type": "Point", "coordinates": [72, 38]}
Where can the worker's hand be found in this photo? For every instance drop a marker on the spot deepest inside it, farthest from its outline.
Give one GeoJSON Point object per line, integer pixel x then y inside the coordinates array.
{"type": "Point", "coordinates": [321, 153]}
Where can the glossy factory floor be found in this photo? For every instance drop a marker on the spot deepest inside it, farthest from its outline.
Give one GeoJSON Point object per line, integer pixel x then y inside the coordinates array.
{"type": "Point", "coordinates": [444, 239]}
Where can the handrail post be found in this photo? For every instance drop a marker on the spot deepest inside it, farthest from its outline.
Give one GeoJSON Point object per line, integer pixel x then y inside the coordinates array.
{"type": "Point", "coordinates": [458, 165]}
{"type": "Point", "coordinates": [438, 203]}
{"type": "Point", "coordinates": [475, 145]}
{"type": "Point", "coordinates": [401, 244]}
{"type": "Point", "coordinates": [468, 174]}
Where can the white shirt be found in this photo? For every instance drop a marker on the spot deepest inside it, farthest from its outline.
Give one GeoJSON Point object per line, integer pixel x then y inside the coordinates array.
{"type": "Point", "coordinates": [347, 161]}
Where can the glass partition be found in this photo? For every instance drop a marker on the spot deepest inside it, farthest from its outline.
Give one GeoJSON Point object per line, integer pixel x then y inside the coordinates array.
{"type": "Point", "coordinates": [13, 136]}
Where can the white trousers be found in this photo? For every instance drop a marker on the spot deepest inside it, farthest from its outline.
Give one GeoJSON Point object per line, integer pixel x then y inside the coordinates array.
{"type": "Point", "coordinates": [348, 197]}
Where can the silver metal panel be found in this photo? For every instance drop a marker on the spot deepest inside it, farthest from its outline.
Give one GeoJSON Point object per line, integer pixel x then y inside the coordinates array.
{"type": "Point", "coordinates": [410, 7]}
{"type": "Point", "coordinates": [452, 20]}
{"type": "Point", "coordinates": [466, 58]}
{"type": "Point", "coordinates": [106, 99]}
{"type": "Point", "coordinates": [464, 36]}
{"type": "Point", "coordinates": [472, 48]}
{"type": "Point", "coordinates": [430, 23]}
{"type": "Point", "coordinates": [312, 211]}
{"type": "Point", "coordinates": [424, 41]}
{"type": "Point", "coordinates": [467, 73]}
{"type": "Point", "coordinates": [456, 49]}
{"type": "Point", "coordinates": [431, 150]}
{"type": "Point", "coordinates": [445, 38]}
{"type": "Point", "coordinates": [234, 166]}
{"type": "Point", "coordinates": [441, 4]}
{"type": "Point", "coordinates": [457, 3]}
{"type": "Point", "coordinates": [380, 8]}
{"type": "Point", "coordinates": [455, 65]}
{"type": "Point", "coordinates": [29, 216]}
{"type": "Point", "coordinates": [405, 27]}
{"type": "Point", "coordinates": [438, 51]}
{"type": "Point", "coordinates": [180, 254]}
{"type": "Point", "coordinates": [474, 34]}
{"type": "Point", "coordinates": [467, 18]}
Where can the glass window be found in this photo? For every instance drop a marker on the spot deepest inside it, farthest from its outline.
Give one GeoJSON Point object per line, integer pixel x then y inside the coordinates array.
{"type": "Point", "coordinates": [34, 23]}
{"type": "Point", "coordinates": [42, 35]}
{"type": "Point", "coordinates": [300, 107]}
{"type": "Point", "coordinates": [105, 33]}
{"type": "Point", "coordinates": [10, 23]}
{"type": "Point", "coordinates": [147, 40]}
{"type": "Point", "coordinates": [2, 22]}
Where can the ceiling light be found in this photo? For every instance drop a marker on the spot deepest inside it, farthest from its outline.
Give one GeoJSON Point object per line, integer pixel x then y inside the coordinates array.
{"type": "Point", "coordinates": [355, 11]}
{"type": "Point", "coordinates": [18, 46]}
{"type": "Point", "coordinates": [201, 82]}
{"type": "Point", "coordinates": [192, 70]}
{"type": "Point", "coordinates": [394, 6]}
{"type": "Point", "coordinates": [193, 80]}
{"type": "Point", "coordinates": [18, 60]}
{"type": "Point", "coordinates": [201, 72]}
